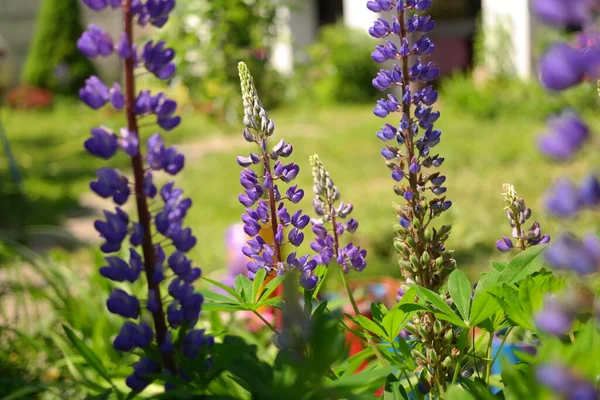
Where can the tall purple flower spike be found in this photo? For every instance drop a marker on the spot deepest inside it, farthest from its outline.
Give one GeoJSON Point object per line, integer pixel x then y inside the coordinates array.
{"type": "Point", "coordinates": [145, 255]}
{"type": "Point", "coordinates": [265, 199]}
{"type": "Point", "coordinates": [518, 214]}
{"type": "Point", "coordinates": [334, 213]}
{"type": "Point", "coordinates": [409, 144]}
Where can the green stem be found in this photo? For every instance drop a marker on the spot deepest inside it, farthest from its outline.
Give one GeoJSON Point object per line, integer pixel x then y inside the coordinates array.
{"type": "Point", "coordinates": [404, 371]}
{"type": "Point", "coordinates": [267, 323]}
{"type": "Point", "coordinates": [488, 354]}
{"type": "Point", "coordinates": [474, 355]}
{"type": "Point", "coordinates": [502, 344]}
{"type": "Point", "coordinates": [456, 371]}
{"type": "Point", "coordinates": [357, 312]}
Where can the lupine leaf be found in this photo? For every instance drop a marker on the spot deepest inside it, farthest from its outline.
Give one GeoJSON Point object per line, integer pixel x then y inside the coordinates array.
{"type": "Point", "coordinates": [224, 307]}
{"type": "Point", "coordinates": [88, 354]}
{"type": "Point", "coordinates": [378, 311]}
{"type": "Point", "coordinates": [458, 393]}
{"type": "Point", "coordinates": [219, 298]}
{"type": "Point", "coordinates": [484, 305]}
{"type": "Point", "coordinates": [351, 364]}
{"type": "Point", "coordinates": [524, 264]}
{"type": "Point", "coordinates": [272, 285]}
{"type": "Point", "coordinates": [499, 265]}
{"type": "Point", "coordinates": [394, 389]}
{"type": "Point", "coordinates": [460, 291]}
{"type": "Point", "coordinates": [101, 396]}
{"type": "Point", "coordinates": [224, 287]}
{"type": "Point", "coordinates": [363, 378]}
{"type": "Point", "coordinates": [444, 311]}
{"type": "Point", "coordinates": [371, 326]}
{"type": "Point", "coordinates": [395, 321]}
{"type": "Point", "coordinates": [259, 278]}
{"type": "Point", "coordinates": [508, 300]}
{"type": "Point", "coordinates": [244, 288]}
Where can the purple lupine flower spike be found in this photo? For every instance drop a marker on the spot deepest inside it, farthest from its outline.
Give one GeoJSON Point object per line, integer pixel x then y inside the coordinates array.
{"type": "Point", "coordinates": [410, 165]}
{"type": "Point", "coordinates": [518, 214]}
{"type": "Point", "coordinates": [327, 241]}
{"type": "Point", "coordinates": [185, 305]}
{"type": "Point", "coordinates": [265, 204]}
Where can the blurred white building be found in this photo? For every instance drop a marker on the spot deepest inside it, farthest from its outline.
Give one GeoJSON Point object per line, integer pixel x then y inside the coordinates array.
{"type": "Point", "coordinates": [301, 22]}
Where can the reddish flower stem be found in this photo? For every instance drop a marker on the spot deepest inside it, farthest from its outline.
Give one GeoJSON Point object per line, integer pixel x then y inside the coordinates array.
{"type": "Point", "coordinates": [144, 216]}
{"type": "Point", "coordinates": [277, 248]}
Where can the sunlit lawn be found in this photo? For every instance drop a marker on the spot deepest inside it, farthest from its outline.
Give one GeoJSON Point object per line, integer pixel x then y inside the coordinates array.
{"type": "Point", "coordinates": [480, 156]}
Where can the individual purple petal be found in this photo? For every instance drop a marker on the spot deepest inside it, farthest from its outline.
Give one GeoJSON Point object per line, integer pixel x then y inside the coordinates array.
{"type": "Point", "coordinates": [561, 67]}
{"type": "Point", "coordinates": [95, 93]}
{"type": "Point", "coordinates": [95, 42]}
{"type": "Point", "coordinates": [103, 143]}
{"type": "Point", "coordinates": [116, 97]}
{"type": "Point", "coordinates": [562, 199]}
{"type": "Point", "coordinates": [589, 191]}
{"type": "Point", "coordinates": [504, 244]}
{"type": "Point", "coordinates": [566, 135]}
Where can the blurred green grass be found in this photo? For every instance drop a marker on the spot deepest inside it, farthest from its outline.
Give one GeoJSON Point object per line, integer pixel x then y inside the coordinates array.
{"type": "Point", "coordinates": [481, 155]}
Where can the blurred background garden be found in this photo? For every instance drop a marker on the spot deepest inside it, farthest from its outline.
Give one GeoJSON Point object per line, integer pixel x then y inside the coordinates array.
{"type": "Point", "coordinates": [311, 60]}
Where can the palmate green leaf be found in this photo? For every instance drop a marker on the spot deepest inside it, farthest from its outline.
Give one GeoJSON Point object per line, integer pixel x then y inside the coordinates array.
{"type": "Point", "coordinates": [444, 311]}
{"type": "Point", "coordinates": [484, 306]}
{"type": "Point", "coordinates": [321, 271]}
{"type": "Point", "coordinates": [351, 364]}
{"type": "Point", "coordinates": [371, 326]}
{"type": "Point", "coordinates": [458, 393]}
{"type": "Point", "coordinates": [259, 279]}
{"type": "Point", "coordinates": [363, 378]}
{"type": "Point", "coordinates": [523, 265]}
{"type": "Point", "coordinates": [270, 302]}
{"type": "Point", "coordinates": [509, 301]}
{"type": "Point", "coordinates": [101, 396]}
{"type": "Point", "coordinates": [88, 354]}
{"type": "Point", "coordinates": [224, 287]}
{"type": "Point", "coordinates": [460, 291]}
{"type": "Point", "coordinates": [271, 286]}
{"type": "Point", "coordinates": [219, 298]}
{"type": "Point", "coordinates": [378, 311]}
{"type": "Point", "coordinates": [243, 286]}
{"type": "Point", "coordinates": [394, 389]}
{"type": "Point", "coordinates": [499, 265]}
{"type": "Point", "coordinates": [395, 321]}
{"type": "Point", "coordinates": [224, 307]}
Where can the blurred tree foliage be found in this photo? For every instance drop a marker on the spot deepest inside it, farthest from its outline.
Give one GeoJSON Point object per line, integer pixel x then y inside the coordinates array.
{"type": "Point", "coordinates": [53, 61]}
{"type": "Point", "coordinates": [336, 69]}
{"type": "Point", "coordinates": [211, 36]}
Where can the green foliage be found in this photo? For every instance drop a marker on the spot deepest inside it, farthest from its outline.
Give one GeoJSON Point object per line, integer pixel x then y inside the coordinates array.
{"type": "Point", "coordinates": [336, 69]}
{"type": "Point", "coordinates": [48, 292]}
{"type": "Point", "coordinates": [210, 37]}
{"type": "Point", "coordinates": [495, 97]}
{"type": "Point", "coordinates": [53, 61]}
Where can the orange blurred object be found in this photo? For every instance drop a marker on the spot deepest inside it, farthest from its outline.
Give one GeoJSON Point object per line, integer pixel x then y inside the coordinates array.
{"type": "Point", "coordinates": [30, 97]}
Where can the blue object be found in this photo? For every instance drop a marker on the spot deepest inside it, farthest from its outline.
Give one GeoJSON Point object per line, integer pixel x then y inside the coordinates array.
{"type": "Point", "coordinates": [508, 352]}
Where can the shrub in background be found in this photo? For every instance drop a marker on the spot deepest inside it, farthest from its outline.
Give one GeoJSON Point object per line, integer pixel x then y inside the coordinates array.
{"type": "Point", "coordinates": [499, 96]}
{"type": "Point", "coordinates": [53, 62]}
{"type": "Point", "coordinates": [210, 37]}
{"type": "Point", "coordinates": [335, 70]}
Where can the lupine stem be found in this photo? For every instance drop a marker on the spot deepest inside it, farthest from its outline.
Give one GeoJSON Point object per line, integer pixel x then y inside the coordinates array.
{"type": "Point", "coordinates": [144, 216]}
{"type": "Point", "coordinates": [409, 144]}
{"type": "Point", "coordinates": [274, 227]}
{"type": "Point", "coordinates": [267, 323]}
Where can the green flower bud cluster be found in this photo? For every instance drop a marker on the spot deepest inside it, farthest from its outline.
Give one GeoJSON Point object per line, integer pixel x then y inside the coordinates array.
{"type": "Point", "coordinates": [424, 258]}
{"type": "Point", "coordinates": [255, 116]}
